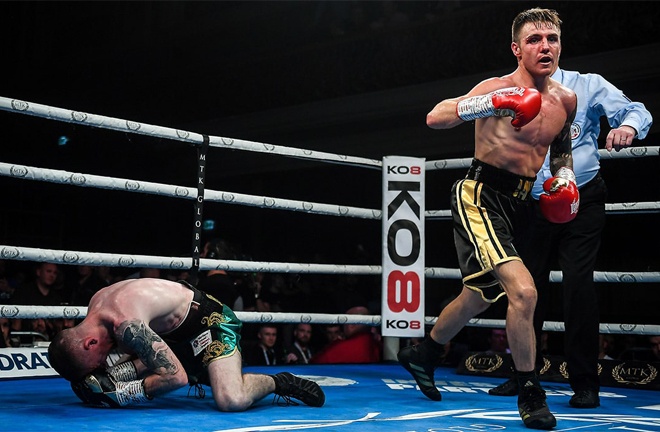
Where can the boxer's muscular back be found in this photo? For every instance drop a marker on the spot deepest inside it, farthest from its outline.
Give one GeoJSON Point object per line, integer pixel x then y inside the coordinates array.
{"type": "Point", "coordinates": [159, 302]}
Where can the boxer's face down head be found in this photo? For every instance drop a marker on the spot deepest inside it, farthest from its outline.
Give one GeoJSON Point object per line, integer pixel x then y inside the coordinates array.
{"type": "Point", "coordinates": [74, 356]}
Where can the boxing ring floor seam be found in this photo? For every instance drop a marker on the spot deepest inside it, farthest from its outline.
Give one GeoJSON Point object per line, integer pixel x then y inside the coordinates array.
{"type": "Point", "coordinates": [363, 397]}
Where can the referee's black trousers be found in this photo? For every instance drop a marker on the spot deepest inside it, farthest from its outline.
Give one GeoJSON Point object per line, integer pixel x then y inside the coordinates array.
{"type": "Point", "coordinates": [573, 247]}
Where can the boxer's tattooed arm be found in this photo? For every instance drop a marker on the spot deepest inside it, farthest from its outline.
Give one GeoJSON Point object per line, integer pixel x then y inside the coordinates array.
{"type": "Point", "coordinates": [148, 346]}
{"type": "Point", "coordinates": [561, 147]}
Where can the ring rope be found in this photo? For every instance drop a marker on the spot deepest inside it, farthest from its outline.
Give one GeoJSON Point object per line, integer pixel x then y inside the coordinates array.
{"type": "Point", "coordinates": [112, 183]}
{"type": "Point", "coordinates": [628, 152]}
{"type": "Point", "coordinates": [90, 180]}
{"type": "Point", "coordinates": [556, 326]}
{"type": "Point", "coordinates": [94, 120]}
{"type": "Point", "coordinates": [79, 312]}
{"type": "Point", "coordinates": [129, 126]}
{"type": "Point", "coordinates": [20, 253]}
{"type": "Point", "coordinates": [610, 208]}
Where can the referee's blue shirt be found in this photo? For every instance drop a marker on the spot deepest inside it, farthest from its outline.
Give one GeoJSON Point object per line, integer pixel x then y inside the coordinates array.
{"type": "Point", "coordinates": [596, 98]}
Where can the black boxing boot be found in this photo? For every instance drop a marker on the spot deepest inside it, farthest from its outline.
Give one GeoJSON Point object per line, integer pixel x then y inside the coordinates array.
{"type": "Point", "coordinates": [289, 386]}
{"type": "Point", "coordinates": [421, 360]}
{"type": "Point", "coordinates": [532, 405]}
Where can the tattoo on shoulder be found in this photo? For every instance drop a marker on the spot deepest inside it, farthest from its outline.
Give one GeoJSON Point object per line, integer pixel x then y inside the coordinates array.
{"type": "Point", "coordinates": [147, 345]}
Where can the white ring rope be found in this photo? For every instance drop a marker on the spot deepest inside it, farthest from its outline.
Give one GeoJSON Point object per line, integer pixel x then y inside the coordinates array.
{"type": "Point", "coordinates": [614, 208]}
{"type": "Point", "coordinates": [79, 312]}
{"type": "Point", "coordinates": [20, 253]}
{"type": "Point", "coordinates": [610, 208]}
{"type": "Point", "coordinates": [89, 180]}
{"type": "Point", "coordinates": [125, 260]}
{"type": "Point", "coordinates": [121, 125]}
{"type": "Point", "coordinates": [112, 183]}
{"type": "Point", "coordinates": [175, 263]}
{"type": "Point", "coordinates": [629, 152]}
{"type": "Point", "coordinates": [554, 326]}
{"type": "Point", "coordinates": [129, 126]}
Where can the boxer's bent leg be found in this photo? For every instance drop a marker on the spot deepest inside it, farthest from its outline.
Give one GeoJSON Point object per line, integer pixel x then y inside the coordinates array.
{"type": "Point", "coordinates": [421, 360]}
{"type": "Point", "coordinates": [234, 391]}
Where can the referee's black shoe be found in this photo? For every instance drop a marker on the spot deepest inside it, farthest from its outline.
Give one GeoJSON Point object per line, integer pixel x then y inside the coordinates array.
{"type": "Point", "coordinates": [585, 399]}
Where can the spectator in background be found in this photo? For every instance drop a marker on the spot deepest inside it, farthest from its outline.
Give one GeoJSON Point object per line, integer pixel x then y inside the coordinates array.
{"type": "Point", "coordinates": [145, 272]}
{"type": "Point", "coordinates": [300, 352]}
{"type": "Point", "coordinates": [153, 273]}
{"type": "Point", "coordinates": [265, 351]}
{"type": "Point", "coordinates": [360, 344]}
{"type": "Point", "coordinates": [5, 326]}
{"type": "Point", "coordinates": [655, 347]}
{"type": "Point", "coordinates": [248, 286]}
{"type": "Point", "coordinates": [265, 289]}
{"type": "Point", "coordinates": [38, 292]}
{"type": "Point", "coordinates": [44, 328]}
{"type": "Point", "coordinates": [86, 284]}
{"type": "Point", "coordinates": [606, 344]}
{"type": "Point", "coordinates": [178, 275]}
{"type": "Point", "coordinates": [218, 282]}
{"type": "Point", "coordinates": [498, 342]}
{"type": "Point", "coordinates": [330, 333]}
{"type": "Point", "coordinates": [640, 348]}
{"type": "Point", "coordinates": [352, 289]}
{"type": "Point", "coordinates": [105, 274]}
{"type": "Point", "coordinates": [296, 292]}
{"type": "Point", "coordinates": [265, 293]}
{"type": "Point", "coordinates": [333, 332]}
{"type": "Point", "coordinates": [7, 286]}
{"type": "Point", "coordinates": [60, 324]}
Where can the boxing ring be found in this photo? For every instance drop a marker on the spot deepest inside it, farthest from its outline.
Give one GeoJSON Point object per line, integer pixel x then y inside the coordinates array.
{"type": "Point", "coordinates": [359, 397]}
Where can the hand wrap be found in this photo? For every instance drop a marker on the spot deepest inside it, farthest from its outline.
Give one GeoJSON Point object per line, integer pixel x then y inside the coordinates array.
{"type": "Point", "coordinates": [99, 389]}
{"type": "Point", "coordinates": [123, 371]}
{"type": "Point", "coordinates": [523, 104]}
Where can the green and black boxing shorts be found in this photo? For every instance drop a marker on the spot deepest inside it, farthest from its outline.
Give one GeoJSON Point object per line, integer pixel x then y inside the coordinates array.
{"type": "Point", "coordinates": [209, 332]}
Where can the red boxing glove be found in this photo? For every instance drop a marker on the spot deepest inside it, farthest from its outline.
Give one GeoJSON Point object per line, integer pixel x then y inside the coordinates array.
{"type": "Point", "coordinates": [561, 200]}
{"type": "Point", "coordinates": [523, 104]}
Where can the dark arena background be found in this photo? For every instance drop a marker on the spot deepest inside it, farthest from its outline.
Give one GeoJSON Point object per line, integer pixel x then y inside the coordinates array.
{"type": "Point", "coordinates": [354, 78]}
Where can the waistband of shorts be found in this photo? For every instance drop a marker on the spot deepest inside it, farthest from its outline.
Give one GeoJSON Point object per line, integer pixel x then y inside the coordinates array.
{"type": "Point", "coordinates": [197, 294]}
{"type": "Point", "coordinates": [501, 180]}
{"type": "Point", "coordinates": [199, 306]}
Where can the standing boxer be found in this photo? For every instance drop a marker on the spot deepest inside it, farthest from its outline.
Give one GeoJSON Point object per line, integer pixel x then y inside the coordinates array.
{"type": "Point", "coordinates": [575, 245]}
{"type": "Point", "coordinates": [491, 207]}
